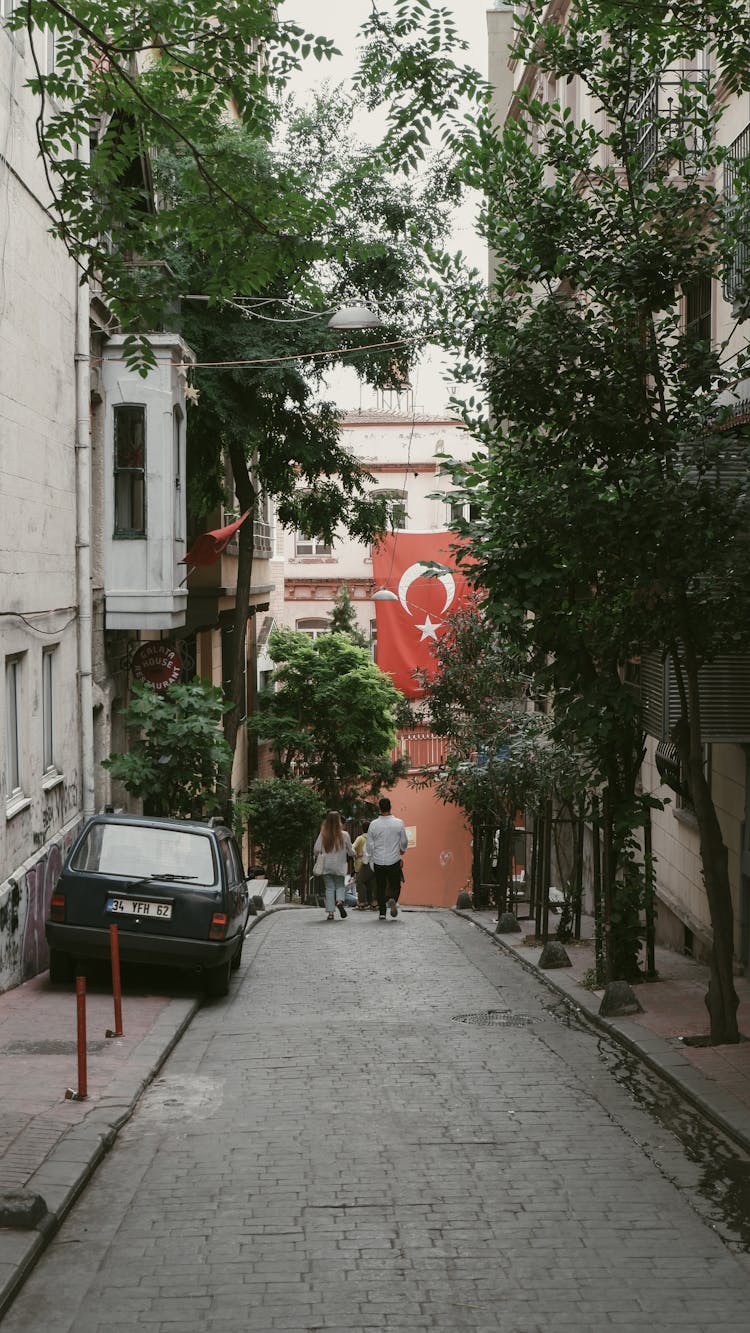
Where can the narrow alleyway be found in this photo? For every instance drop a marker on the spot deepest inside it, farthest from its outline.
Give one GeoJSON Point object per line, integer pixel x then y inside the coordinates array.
{"type": "Point", "coordinates": [389, 1125]}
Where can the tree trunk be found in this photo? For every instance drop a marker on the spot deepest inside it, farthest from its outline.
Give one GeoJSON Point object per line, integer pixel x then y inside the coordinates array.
{"type": "Point", "coordinates": [245, 492]}
{"type": "Point", "coordinates": [721, 998]}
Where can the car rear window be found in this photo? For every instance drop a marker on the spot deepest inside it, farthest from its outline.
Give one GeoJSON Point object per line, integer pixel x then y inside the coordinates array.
{"type": "Point", "coordinates": [146, 852]}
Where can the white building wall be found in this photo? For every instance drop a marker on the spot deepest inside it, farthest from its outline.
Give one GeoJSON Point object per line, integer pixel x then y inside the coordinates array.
{"type": "Point", "coordinates": [38, 611]}
{"type": "Point", "coordinates": [402, 455]}
{"type": "Point", "coordinates": [678, 874]}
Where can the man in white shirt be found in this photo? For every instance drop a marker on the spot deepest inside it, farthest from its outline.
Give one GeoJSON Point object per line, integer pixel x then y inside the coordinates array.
{"type": "Point", "coordinates": [386, 844]}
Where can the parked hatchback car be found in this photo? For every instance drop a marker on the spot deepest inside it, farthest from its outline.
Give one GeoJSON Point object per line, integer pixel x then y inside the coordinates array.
{"type": "Point", "coordinates": [176, 890]}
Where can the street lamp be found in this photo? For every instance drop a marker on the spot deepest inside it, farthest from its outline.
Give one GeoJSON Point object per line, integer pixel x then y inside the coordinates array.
{"type": "Point", "coordinates": [354, 317]}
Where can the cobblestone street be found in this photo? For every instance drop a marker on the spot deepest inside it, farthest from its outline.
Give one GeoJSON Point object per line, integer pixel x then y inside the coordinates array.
{"type": "Point", "coordinates": [333, 1148]}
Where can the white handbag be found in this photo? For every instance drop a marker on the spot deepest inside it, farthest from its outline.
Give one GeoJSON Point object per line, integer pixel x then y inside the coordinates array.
{"type": "Point", "coordinates": [318, 867]}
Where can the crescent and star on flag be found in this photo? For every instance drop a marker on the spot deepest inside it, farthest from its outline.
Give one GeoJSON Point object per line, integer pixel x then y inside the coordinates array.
{"type": "Point", "coordinates": [429, 627]}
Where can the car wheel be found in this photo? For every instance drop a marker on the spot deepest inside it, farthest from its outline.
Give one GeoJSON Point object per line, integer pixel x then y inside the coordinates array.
{"type": "Point", "coordinates": [60, 967]}
{"type": "Point", "coordinates": [238, 954]}
{"type": "Point", "coordinates": [217, 979]}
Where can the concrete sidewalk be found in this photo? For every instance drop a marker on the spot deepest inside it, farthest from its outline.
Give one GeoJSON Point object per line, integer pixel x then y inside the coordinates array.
{"type": "Point", "coordinates": [50, 1145]}
{"type": "Point", "coordinates": [715, 1078]}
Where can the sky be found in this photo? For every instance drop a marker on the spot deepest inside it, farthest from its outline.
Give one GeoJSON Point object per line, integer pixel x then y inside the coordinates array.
{"type": "Point", "coordinates": [341, 20]}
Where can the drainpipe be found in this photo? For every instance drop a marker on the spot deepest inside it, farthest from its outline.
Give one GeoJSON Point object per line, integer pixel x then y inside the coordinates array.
{"type": "Point", "coordinates": [83, 534]}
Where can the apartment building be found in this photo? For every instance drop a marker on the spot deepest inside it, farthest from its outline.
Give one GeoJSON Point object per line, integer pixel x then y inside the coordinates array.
{"type": "Point", "coordinates": [708, 309]}
{"type": "Point", "coordinates": [94, 589]}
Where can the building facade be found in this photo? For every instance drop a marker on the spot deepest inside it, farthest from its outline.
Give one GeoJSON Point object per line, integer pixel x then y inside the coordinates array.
{"type": "Point", "coordinates": [707, 309]}
{"type": "Point", "coordinates": [401, 449]}
{"type": "Point", "coordinates": [93, 531]}
{"type": "Point", "coordinates": [40, 333]}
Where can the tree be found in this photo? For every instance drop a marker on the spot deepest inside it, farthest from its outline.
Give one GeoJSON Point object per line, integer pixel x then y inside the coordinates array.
{"type": "Point", "coordinates": [502, 757]}
{"type": "Point", "coordinates": [144, 80]}
{"type": "Point", "coordinates": [178, 752]}
{"type": "Point", "coordinates": [358, 238]}
{"type": "Point", "coordinates": [249, 199]}
{"type": "Point", "coordinates": [344, 620]}
{"type": "Point", "coordinates": [328, 715]}
{"type": "Point", "coordinates": [610, 521]}
{"type": "Point", "coordinates": [283, 816]}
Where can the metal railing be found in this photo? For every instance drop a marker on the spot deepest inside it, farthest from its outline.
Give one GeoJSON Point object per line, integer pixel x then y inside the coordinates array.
{"type": "Point", "coordinates": [660, 123]}
{"type": "Point", "coordinates": [425, 750]}
{"type": "Point", "coordinates": [736, 274]}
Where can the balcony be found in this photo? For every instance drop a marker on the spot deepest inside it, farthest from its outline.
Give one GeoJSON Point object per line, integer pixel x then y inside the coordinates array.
{"type": "Point", "coordinates": [735, 277]}
{"type": "Point", "coordinates": [143, 485]}
{"type": "Point", "coordinates": [665, 139]}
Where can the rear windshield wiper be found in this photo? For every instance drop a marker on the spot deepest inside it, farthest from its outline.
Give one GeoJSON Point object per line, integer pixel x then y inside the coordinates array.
{"type": "Point", "coordinates": [149, 879]}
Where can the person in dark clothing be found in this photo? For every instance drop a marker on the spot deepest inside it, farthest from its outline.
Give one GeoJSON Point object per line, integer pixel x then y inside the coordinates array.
{"type": "Point", "coordinates": [385, 845]}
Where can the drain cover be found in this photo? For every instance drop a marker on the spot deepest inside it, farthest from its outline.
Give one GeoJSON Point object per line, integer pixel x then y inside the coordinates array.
{"type": "Point", "coordinates": [496, 1018]}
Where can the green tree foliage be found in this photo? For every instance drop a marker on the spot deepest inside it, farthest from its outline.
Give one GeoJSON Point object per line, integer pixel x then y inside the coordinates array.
{"type": "Point", "coordinates": [178, 752]}
{"type": "Point", "coordinates": [344, 618]}
{"type": "Point", "coordinates": [502, 757]}
{"type": "Point", "coordinates": [610, 523]}
{"type": "Point", "coordinates": [329, 715]}
{"type": "Point", "coordinates": [358, 239]}
{"type": "Point", "coordinates": [147, 79]}
{"type": "Point", "coordinates": [282, 816]}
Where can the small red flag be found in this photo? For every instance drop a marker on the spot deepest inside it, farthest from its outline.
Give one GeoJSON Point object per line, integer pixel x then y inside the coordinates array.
{"type": "Point", "coordinates": [210, 545]}
{"type": "Point", "coordinates": [409, 626]}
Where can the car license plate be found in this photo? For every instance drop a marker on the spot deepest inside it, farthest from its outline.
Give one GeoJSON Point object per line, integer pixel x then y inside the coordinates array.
{"type": "Point", "coordinates": [140, 907]}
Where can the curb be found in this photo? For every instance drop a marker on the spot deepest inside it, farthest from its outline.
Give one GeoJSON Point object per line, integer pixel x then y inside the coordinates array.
{"type": "Point", "coordinates": [725, 1111]}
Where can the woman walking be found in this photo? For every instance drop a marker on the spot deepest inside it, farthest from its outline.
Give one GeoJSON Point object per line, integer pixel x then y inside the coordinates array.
{"type": "Point", "coordinates": [334, 845]}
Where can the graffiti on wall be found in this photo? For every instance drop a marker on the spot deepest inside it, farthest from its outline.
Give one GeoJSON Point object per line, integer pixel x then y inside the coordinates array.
{"type": "Point", "coordinates": [24, 904]}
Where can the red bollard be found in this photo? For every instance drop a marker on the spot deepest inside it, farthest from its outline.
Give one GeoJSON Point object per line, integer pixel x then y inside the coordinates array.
{"type": "Point", "coordinates": [114, 944]}
{"type": "Point", "coordinates": [81, 1094]}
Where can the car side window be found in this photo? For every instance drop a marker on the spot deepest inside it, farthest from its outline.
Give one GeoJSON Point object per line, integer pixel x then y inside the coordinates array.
{"type": "Point", "coordinates": [226, 856]}
{"type": "Point", "coordinates": [239, 872]}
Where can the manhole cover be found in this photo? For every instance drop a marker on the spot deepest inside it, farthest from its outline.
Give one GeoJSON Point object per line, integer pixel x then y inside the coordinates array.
{"type": "Point", "coordinates": [496, 1018]}
{"type": "Point", "coordinates": [50, 1047]}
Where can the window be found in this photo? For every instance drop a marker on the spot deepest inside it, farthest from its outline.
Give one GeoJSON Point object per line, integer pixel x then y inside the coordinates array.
{"type": "Point", "coordinates": [13, 728]}
{"type": "Point", "coordinates": [177, 468]}
{"type": "Point", "coordinates": [130, 471]}
{"type": "Point", "coordinates": [132, 850]}
{"type": "Point", "coordinates": [698, 329]}
{"type": "Point", "coordinates": [48, 711]}
{"type": "Point", "coordinates": [313, 628]}
{"type": "Point", "coordinates": [459, 510]}
{"type": "Point", "coordinates": [304, 545]}
{"type": "Point", "coordinates": [396, 506]}
{"type": "Point", "coordinates": [262, 536]}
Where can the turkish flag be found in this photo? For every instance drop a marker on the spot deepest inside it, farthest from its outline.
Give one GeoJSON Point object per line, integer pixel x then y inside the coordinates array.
{"type": "Point", "coordinates": [409, 626]}
{"type": "Point", "coordinates": [210, 545]}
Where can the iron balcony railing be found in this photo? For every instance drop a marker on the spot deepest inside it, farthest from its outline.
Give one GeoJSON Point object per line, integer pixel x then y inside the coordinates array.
{"type": "Point", "coordinates": [661, 122]}
{"type": "Point", "coordinates": [736, 274]}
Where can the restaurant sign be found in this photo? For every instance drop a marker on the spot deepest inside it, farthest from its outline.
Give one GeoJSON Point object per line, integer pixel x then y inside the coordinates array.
{"type": "Point", "coordinates": [157, 664]}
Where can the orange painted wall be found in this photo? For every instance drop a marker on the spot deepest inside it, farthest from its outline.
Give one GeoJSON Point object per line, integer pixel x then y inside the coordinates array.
{"type": "Point", "coordinates": [439, 865]}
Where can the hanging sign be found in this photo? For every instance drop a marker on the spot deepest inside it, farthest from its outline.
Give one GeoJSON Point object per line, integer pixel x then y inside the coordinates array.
{"type": "Point", "coordinates": [157, 664]}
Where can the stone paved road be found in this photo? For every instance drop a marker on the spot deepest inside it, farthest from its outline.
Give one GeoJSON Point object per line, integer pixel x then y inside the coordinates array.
{"type": "Point", "coordinates": [330, 1149]}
